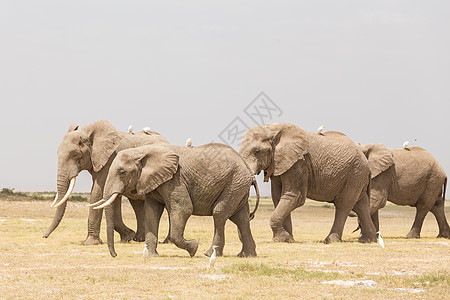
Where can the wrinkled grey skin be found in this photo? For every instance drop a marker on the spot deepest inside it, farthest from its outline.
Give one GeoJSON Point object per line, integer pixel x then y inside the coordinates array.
{"type": "Point", "coordinates": [410, 177]}
{"type": "Point", "coordinates": [302, 164]}
{"type": "Point", "coordinates": [93, 148]}
{"type": "Point", "coordinates": [209, 180]}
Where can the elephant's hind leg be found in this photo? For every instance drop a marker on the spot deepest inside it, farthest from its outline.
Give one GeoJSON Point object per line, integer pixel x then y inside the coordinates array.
{"type": "Point", "coordinates": [241, 219]}
{"type": "Point", "coordinates": [368, 233]}
{"type": "Point", "coordinates": [439, 213]}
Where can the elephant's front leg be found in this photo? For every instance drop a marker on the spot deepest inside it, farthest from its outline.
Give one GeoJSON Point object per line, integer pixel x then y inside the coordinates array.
{"type": "Point", "coordinates": [153, 211]}
{"type": "Point", "coordinates": [94, 218]}
{"type": "Point", "coordinates": [180, 210]}
{"type": "Point", "coordinates": [138, 207]}
{"type": "Point", "coordinates": [126, 234]}
{"type": "Point", "coordinates": [288, 202]}
{"type": "Point", "coordinates": [276, 195]}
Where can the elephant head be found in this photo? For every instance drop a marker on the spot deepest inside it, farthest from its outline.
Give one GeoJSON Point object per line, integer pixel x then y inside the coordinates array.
{"type": "Point", "coordinates": [88, 148]}
{"type": "Point", "coordinates": [134, 173]}
{"type": "Point", "coordinates": [273, 148]}
{"type": "Point", "coordinates": [379, 157]}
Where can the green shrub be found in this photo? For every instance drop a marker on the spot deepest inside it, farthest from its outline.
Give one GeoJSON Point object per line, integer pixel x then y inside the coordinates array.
{"type": "Point", "coordinates": [78, 198]}
{"type": "Point", "coordinates": [10, 192]}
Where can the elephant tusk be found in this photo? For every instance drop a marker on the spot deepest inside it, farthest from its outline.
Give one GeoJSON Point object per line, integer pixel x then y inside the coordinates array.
{"type": "Point", "coordinates": [110, 200]}
{"type": "Point", "coordinates": [96, 203]}
{"type": "Point", "coordinates": [54, 201]}
{"type": "Point", "coordinates": [69, 191]}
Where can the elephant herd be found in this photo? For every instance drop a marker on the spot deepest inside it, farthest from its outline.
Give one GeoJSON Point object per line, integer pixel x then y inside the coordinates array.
{"type": "Point", "coordinates": [215, 180]}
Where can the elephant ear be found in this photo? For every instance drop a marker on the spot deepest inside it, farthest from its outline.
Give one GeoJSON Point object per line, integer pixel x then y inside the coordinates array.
{"type": "Point", "coordinates": [379, 156]}
{"type": "Point", "coordinates": [158, 166]}
{"type": "Point", "coordinates": [290, 145]}
{"type": "Point", "coordinates": [104, 140]}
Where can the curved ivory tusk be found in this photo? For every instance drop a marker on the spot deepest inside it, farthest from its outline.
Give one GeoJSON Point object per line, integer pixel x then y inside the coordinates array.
{"type": "Point", "coordinates": [69, 191]}
{"type": "Point", "coordinates": [96, 203]}
{"type": "Point", "coordinates": [54, 201]}
{"type": "Point", "coordinates": [110, 200]}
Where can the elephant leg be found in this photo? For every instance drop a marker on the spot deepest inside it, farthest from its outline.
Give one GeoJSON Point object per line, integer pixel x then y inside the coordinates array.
{"type": "Point", "coordinates": [126, 234]}
{"type": "Point", "coordinates": [439, 214]}
{"type": "Point", "coordinates": [153, 211]}
{"type": "Point", "coordinates": [94, 218]}
{"type": "Point", "coordinates": [421, 211]}
{"type": "Point", "coordinates": [167, 239]}
{"type": "Point", "coordinates": [276, 195]}
{"type": "Point", "coordinates": [138, 207]}
{"type": "Point", "coordinates": [340, 216]}
{"type": "Point", "coordinates": [179, 213]}
{"type": "Point", "coordinates": [362, 209]}
{"type": "Point", "coordinates": [287, 203]}
{"type": "Point", "coordinates": [376, 221]}
{"type": "Point", "coordinates": [241, 219]}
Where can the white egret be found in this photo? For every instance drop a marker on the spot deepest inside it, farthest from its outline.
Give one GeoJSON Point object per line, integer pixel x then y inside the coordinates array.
{"type": "Point", "coordinates": [380, 240]}
{"type": "Point", "coordinates": [130, 129]}
{"type": "Point", "coordinates": [405, 145]}
{"type": "Point", "coordinates": [212, 259]}
{"type": "Point", "coordinates": [320, 129]}
{"type": "Point", "coordinates": [146, 130]}
{"type": "Point", "coordinates": [189, 143]}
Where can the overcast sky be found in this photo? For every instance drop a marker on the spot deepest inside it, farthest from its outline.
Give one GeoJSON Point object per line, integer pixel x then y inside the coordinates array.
{"type": "Point", "coordinates": [378, 71]}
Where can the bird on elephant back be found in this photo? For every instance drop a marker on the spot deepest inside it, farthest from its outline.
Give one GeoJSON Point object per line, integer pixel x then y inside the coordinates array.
{"type": "Point", "coordinates": [93, 148]}
{"type": "Point", "coordinates": [325, 167]}
{"type": "Point", "coordinates": [407, 176]}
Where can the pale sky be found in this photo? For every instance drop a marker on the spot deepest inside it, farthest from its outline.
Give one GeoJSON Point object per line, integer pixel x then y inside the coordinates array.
{"type": "Point", "coordinates": [378, 71]}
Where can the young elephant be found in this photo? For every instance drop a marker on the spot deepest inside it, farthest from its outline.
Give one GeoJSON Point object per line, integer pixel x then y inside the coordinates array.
{"type": "Point", "coordinates": [302, 164]}
{"type": "Point", "coordinates": [209, 180]}
{"type": "Point", "coordinates": [410, 176]}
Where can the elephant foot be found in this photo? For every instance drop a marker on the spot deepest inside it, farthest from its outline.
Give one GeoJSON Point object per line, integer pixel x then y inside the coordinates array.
{"type": "Point", "coordinates": [191, 247]}
{"type": "Point", "coordinates": [247, 254]}
{"type": "Point", "coordinates": [368, 238]}
{"type": "Point", "coordinates": [139, 237]}
{"type": "Point", "coordinates": [283, 236]}
{"type": "Point", "coordinates": [128, 236]}
{"type": "Point", "coordinates": [91, 240]}
{"type": "Point", "coordinates": [444, 234]}
{"type": "Point", "coordinates": [165, 241]}
{"type": "Point", "coordinates": [413, 234]}
{"type": "Point", "coordinates": [332, 238]}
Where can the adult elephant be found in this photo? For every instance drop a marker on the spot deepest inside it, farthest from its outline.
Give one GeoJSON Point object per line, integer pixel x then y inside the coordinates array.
{"type": "Point", "coordinates": [209, 180]}
{"type": "Point", "coordinates": [410, 176]}
{"type": "Point", "coordinates": [302, 164]}
{"type": "Point", "coordinates": [93, 148]}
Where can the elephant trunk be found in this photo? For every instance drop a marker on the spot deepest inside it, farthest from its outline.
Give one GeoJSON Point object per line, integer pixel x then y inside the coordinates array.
{"type": "Point", "coordinates": [62, 187]}
{"type": "Point", "coordinates": [109, 213]}
{"type": "Point", "coordinates": [255, 184]}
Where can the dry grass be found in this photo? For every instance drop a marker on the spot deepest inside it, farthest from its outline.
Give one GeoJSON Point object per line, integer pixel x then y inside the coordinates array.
{"type": "Point", "coordinates": [59, 267]}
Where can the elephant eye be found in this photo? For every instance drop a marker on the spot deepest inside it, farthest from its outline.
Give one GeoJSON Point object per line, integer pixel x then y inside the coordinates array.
{"type": "Point", "coordinates": [257, 151]}
{"type": "Point", "coordinates": [121, 172]}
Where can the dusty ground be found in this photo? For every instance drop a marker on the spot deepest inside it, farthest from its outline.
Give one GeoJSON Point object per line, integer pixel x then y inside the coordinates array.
{"type": "Point", "coordinates": [59, 267]}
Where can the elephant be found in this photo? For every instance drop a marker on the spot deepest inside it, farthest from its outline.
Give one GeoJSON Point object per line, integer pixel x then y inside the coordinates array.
{"type": "Point", "coordinates": [324, 167]}
{"type": "Point", "coordinates": [409, 176]}
{"type": "Point", "coordinates": [208, 180]}
{"type": "Point", "coordinates": [93, 148]}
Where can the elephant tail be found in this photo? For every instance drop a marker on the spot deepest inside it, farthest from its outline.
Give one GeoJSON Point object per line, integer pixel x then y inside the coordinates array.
{"type": "Point", "coordinates": [445, 188]}
{"type": "Point", "coordinates": [255, 184]}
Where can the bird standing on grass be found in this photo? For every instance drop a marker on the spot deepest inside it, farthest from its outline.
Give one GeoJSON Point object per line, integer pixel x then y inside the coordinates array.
{"type": "Point", "coordinates": [189, 143]}
{"type": "Point", "coordinates": [145, 252]}
{"type": "Point", "coordinates": [320, 129]}
{"type": "Point", "coordinates": [380, 240]}
{"type": "Point", "coordinates": [405, 145]}
{"type": "Point", "coordinates": [130, 129]}
{"type": "Point", "coordinates": [212, 259]}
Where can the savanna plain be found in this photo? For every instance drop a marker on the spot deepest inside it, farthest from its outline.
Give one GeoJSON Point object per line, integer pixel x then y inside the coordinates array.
{"type": "Point", "coordinates": [60, 267]}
